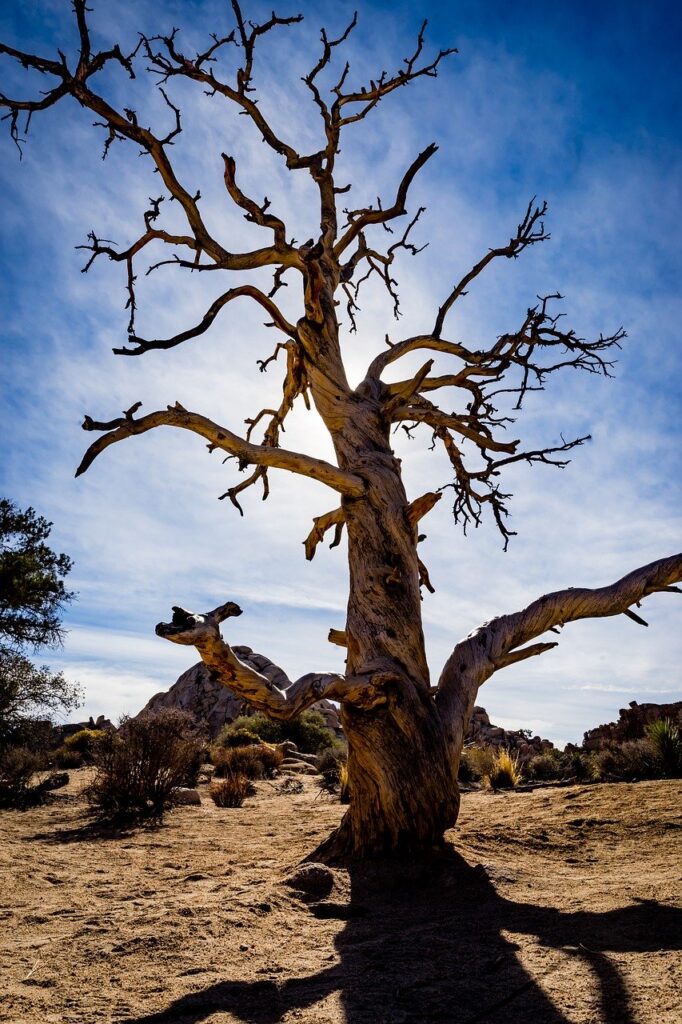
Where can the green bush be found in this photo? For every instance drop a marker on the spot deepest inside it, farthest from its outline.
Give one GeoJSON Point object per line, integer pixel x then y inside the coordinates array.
{"type": "Point", "coordinates": [83, 741]}
{"type": "Point", "coordinates": [548, 766]}
{"type": "Point", "coordinates": [308, 731]}
{"type": "Point", "coordinates": [666, 743]}
{"type": "Point", "coordinates": [239, 737]}
{"type": "Point", "coordinates": [579, 766]}
{"type": "Point", "coordinates": [139, 766]}
{"type": "Point", "coordinates": [257, 761]}
{"type": "Point", "coordinates": [230, 791]}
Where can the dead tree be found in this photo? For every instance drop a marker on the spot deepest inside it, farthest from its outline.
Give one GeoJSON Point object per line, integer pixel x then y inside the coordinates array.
{"type": "Point", "coordinates": [404, 735]}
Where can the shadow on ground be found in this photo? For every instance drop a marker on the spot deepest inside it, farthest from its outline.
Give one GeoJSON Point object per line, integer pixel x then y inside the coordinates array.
{"type": "Point", "coordinates": [431, 944]}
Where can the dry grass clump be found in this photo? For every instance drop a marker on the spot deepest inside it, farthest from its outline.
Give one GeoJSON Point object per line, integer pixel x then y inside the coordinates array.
{"type": "Point", "coordinates": [257, 761]}
{"type": "Point", "coordinates": [230, 791]}
{"type": "Point", "coordinates": [505, 772]}
{"type": "Point", "coordinates": [344, 785]}
{"type": "Point", "coordinates": [139, 766]}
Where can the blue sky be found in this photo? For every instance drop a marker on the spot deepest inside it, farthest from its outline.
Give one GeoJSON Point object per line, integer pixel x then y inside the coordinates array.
{"type": "Point", "coordinates": [577, 103]}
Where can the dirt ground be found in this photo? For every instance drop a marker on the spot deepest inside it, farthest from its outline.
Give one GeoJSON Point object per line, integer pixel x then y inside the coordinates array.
{"type": "Point", "coordinates": [553, 906]}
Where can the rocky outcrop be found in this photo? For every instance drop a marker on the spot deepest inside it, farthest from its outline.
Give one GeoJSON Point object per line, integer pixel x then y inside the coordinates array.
{"type": "Point", "coordinates": [215, 705]}
{"type": "Point", "coordinates": [631, 724]}
{"type": "Point", "coordinates": [69, 728]}
{"type": "Point", "coordinates": [482, 733]}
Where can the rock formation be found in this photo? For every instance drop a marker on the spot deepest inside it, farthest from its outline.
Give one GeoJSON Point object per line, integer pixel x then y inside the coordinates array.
{"type": "Point", "coordinates": [631, 724]}
{"type": "Point", "coordinates": [483, 733]}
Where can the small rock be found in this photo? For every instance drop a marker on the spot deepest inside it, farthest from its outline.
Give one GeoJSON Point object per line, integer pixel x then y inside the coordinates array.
{"type": "Point", "coordinates": [315, 879]}
{"type": "Point", "coordinates": [183, 797]}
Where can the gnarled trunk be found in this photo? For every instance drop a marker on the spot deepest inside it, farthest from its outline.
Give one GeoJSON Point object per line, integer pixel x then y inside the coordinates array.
{"type": "Point", "coordinates": [402, 771]}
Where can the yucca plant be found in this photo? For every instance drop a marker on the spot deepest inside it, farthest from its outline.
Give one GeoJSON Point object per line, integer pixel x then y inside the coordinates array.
{"type": "Point", "coordinates": [666, 742]}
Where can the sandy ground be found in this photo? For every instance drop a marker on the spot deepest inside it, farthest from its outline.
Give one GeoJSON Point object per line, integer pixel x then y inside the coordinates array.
{"type": "Point", "coordinates": [554, 906]}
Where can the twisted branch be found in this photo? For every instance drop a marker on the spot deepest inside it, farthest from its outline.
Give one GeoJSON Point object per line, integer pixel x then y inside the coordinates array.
{"type": "Point", "coordinates": [499, 643]}
{"type": "Point", "coordinates": [219, 438]}
{"type": "Point", "coordinates": [202, 631]}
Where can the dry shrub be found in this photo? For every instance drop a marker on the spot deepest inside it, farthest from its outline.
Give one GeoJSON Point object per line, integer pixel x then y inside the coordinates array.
{"type": "Point", "coordinates": [505, 772]}
{"type": "Point", "coordinates": [18, 765]}
{"type": "Point", "coordinates": [476, 763]}
{"type": "Point", "coordinates": [230, 791]}
{"type": "Point", "coordinates": [139, 766]}
{"type": "Point", "coordinates": [259, 761]}
{"type": "Point", "coordinates": [627, 762]}
{"type": "Point", "coordinates": [330, 764]}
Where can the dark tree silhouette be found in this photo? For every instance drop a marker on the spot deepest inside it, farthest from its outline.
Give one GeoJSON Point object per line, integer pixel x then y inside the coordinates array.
{"type": "Point", "coordinates": [404, 735]}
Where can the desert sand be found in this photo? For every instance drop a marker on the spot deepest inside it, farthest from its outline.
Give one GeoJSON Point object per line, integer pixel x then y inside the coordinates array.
{"type": "Point", "coordinates": [552, 906]}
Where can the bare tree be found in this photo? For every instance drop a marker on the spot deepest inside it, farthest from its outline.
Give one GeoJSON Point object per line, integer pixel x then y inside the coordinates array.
{"type": "Point", "coordinates": [404, 735]}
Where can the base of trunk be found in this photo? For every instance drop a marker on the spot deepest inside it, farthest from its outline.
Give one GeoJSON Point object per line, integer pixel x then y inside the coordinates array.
{"type": "Point", "coordinates": [402, 780]}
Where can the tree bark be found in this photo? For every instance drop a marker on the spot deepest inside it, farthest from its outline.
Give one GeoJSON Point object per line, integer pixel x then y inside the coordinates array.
{"type": "Point", "coordinates": [400, 766]}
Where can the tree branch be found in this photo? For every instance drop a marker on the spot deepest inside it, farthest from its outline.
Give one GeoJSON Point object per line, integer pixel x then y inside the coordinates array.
{"type": "Point", "coordinates": [145, 345]}
{"type": "Point", "coordinates": [498, 643]}
{"type": "Point", "coordinates": [202, 631]}
{"type": "Point", "coordinates": [222, 439]}
{"type": "Point", "coordinates": [530, 231]}
{"type": "Point", "coordinates": [361, 219]}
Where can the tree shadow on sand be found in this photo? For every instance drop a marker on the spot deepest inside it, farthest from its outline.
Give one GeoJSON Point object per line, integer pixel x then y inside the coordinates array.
{"type": "Point", "coordinates": [431, 943]}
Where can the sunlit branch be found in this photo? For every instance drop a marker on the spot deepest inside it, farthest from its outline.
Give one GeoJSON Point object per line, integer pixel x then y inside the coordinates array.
{"type": "Point", "coordinates": [219, 438]}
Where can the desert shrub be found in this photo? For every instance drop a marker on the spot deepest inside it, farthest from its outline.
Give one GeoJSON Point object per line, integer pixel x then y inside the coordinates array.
{"type": "Point", "coordinates": [505, 772]}
{"type": "Point", "coordinates": [666, 743]}
{"type": "Point", "coordinates": [83, 741]}
{"type": "Point", "coordinates": [547, 766]}
{"type": "Point", "coordinates": [18, 765]}
{"type": "Point", "coordinates": [627, 762]}
{"type": "Point", "coordinates": [467, 771]}
{"type": "Point", "coordinates": [257, 761]}
{"type": "Point", "coordinates": [139, 766]}
{"type": "Point", "coordinates": [230, 791]}
{"type": "Point", "coordinates": [476, 763]}
{"type": "Point", "coordinates": [579, 764]}
{"type": "Point", "coordinates": [308, 731]}
{"type": "Point", "coordinates": [64, 757]}
{"type": "Point", "coordinates": [330, 763]}
{"type": "Point", "coordinates": [240, 737]}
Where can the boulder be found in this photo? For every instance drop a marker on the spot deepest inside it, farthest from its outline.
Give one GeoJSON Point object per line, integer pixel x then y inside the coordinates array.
{"type": "Point", "coordinates": [183, 797]}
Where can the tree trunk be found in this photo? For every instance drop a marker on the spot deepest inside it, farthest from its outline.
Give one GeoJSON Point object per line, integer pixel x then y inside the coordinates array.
{"type": "Point", "coordinates": [402, 773]}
